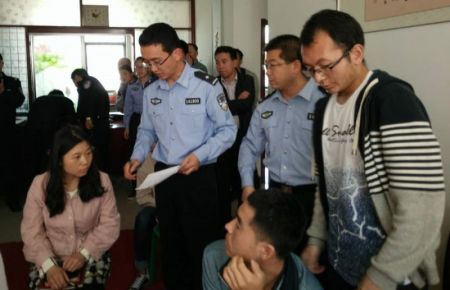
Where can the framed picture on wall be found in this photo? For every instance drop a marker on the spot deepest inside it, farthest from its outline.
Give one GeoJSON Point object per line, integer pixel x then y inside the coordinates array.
{"type": "Point", "coordinates": [376, 15]}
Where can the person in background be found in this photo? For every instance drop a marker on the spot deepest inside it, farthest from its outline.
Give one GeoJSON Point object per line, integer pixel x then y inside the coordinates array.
{"type": "Point", "coordinates": [258, 249]}
{"type": "Point", "coordinates": [11, 97]}
{"type": "Point", "coordinates": [187, 116]}
{"type": "Point", "coordinates": [120, 101]}
{"type": "Point", "coordinates": [70, 219]}
{"type": "Point", "coordinates": [239, 91]}
{"type": "Point", "coordinates": [93, 112]}
{"type": "Point", "coordinates": [133, 108]}
{"type": "Point", "coordinates": [381, 195]}
{"type": "Point", "coordinates": [193, 53]}
{"type": "Point", "coordinates": [47, 114]}
{"type": "Point", "coordinates": [185, 48]}
{"type": "Point", "coordinates": [238, 64]}
{"type": "Point", "coordinates": [281, 126]}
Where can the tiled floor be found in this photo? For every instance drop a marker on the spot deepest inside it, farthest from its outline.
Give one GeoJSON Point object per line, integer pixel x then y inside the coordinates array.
{"type": "Point", "coordinates": [10, 221]}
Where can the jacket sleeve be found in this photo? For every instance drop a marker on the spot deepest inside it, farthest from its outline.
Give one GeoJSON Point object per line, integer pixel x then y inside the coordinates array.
{"type": "Point", "coordinates": [13, 94]}
{"type": "Point", "coordinates": [237, 106]}
{"type": "Point", "coordinates": [106, 231]}
{"type": "Point", "coordinates": [36, 246]}
{"type": "Point", "coordinates": [414, 190]}
{"type": "Point", "coordinates": [317, 231]}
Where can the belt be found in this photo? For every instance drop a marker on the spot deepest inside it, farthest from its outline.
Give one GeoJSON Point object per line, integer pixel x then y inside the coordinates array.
{"type": "Point", "coordinates": [290, 189]}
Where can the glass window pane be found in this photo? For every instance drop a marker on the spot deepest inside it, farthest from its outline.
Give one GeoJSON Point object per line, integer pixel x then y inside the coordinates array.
{"type": "Point", "coordinates": [54, 59]}
{"type": "Point", "coordinates": [101, 62]}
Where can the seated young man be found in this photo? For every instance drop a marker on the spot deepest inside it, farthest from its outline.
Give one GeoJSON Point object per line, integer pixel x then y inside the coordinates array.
{"type": "Point", "coordinates": [257, 251]}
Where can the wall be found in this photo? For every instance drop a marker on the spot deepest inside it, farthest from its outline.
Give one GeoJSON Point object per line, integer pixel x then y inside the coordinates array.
{"type": "Point", "coordinates": [203, 31]}
{"type": "Point", "coordinates": [241, 25]}
{"type": "Point", "coordinates": [421, 56]}
{"type": "Point", "coordinates": [288, 16]}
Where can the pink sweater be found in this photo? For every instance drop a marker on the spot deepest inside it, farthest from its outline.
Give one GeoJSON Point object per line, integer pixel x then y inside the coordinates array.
{"type": "Point", "coordinates": [94, 225]}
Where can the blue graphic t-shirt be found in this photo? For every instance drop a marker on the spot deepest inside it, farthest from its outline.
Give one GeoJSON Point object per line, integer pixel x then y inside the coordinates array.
{"type": "Point", "coordinates": [355, 233]}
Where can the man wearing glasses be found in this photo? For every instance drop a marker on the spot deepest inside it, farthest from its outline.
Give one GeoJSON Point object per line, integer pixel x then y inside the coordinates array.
{"type": "Point", "coordinates": [282, 126]}
{"type": "Point", "coordinates": [380, 199]}
{"type": "Point", "coordinates": [186, 114]}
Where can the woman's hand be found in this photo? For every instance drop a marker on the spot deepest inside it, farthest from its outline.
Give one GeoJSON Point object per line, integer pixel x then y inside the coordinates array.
{"type": "Point", "coordinates": [57, 278]}
{"type": "Point", "coordinates": [74, 262]}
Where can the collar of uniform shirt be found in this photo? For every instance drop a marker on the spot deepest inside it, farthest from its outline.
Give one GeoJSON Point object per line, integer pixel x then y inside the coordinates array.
{"type": "Point", "coordinates": [304, 93]}
{"type": "Point", "coordinates": [183, 80]}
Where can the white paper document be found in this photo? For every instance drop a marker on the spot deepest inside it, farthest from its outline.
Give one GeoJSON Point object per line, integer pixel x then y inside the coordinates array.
{"type": "Point", "coordinates": [157, 177]}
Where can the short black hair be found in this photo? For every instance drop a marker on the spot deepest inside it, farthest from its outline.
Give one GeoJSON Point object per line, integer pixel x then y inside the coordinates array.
{"type": "Point", "coordinates": [183, 45]}
{"type": "Point", "coordinates": [193, 45]}
{"type": "Point", "coordinates": [340, 26]}
{"type": "Point", "coordinates": [226, 49]}
{"type": "Point", "coordinates": [279, 219]}
{"type": "Point", "coordinates": [160, 33]}
{"type": "Point", "coordinates": [288, 44]}
{"type": "Point", "coordinates": [56, 93]}
{"type": "Point", "coordinates": [79, 72]}
{"type": "Point", "coordinates": [239, 53]}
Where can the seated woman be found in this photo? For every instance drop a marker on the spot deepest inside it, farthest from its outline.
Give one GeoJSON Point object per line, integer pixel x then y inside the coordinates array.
{"type": "Point", "coordinates": [70, 219]}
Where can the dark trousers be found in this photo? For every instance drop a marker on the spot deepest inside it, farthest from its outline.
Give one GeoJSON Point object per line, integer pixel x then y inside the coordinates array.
{"type": "Point", "coordinates": [135, 120]}
{"type": "Point", "coordinates": [228, 181]}
{"type": "Point", "coordinates": [333, 281]}
{"type": "Point", "coordinates": [187, 209]}
{"type": "Point", "coordinates": [305, 195]}
{"type": "Point", "coordinates": [144, 223]}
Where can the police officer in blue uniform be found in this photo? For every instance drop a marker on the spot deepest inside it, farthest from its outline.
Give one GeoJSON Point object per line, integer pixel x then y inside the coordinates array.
{"type": "Point", "coordinates": [186, 114]}
{"type": "Point", "coordinates": [282, 126]}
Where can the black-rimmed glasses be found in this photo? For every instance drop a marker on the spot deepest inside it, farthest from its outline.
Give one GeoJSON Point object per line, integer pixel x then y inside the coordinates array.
{"type": "Point", "coordinates": [325, 69]}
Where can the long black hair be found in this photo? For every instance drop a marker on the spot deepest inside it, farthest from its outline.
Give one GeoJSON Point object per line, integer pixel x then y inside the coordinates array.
{"type": "Point", "coordinates": [89, 186]}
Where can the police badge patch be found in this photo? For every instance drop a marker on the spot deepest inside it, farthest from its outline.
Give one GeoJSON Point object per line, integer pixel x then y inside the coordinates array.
{"type": "Point", "coordinates": [266, 114]}
{"type": "Point", "coordinates": [155, 101]}
{"type": "Point", "coordinates": [192, 101]}
{"type": "Point", "coordinates": [222, 100]}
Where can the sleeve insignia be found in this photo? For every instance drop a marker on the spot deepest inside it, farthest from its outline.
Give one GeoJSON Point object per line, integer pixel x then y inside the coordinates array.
{"type": "Point", "coordinates": [222, 100]}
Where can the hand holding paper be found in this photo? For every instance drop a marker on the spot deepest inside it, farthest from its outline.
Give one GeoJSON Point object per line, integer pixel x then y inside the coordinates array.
{"type": "Point", "coordinates": [157, 177]}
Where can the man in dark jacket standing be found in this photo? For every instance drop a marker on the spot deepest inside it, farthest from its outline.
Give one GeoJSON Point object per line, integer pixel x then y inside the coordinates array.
{"type": "Point", "coordinates": [11, 97]}
{"type": "Point", "coordinates": [239, 91]}
{"type": "Point", "coordinates": [93, 112]}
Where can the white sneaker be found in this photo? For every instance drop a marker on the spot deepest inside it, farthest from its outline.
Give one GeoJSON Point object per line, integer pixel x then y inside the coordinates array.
{"type": "Point", "coordinates": [139, 283]}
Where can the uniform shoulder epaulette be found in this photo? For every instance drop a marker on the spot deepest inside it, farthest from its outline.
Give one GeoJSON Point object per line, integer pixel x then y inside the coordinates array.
{"type": "Point", "coordinates": [206, 77]}
{"type": "Point", "coordinates": [267, 97]}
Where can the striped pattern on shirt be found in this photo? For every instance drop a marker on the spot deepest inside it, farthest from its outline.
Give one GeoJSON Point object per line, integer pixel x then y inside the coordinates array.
{"type": "Point", "coordinates": [403, 156]}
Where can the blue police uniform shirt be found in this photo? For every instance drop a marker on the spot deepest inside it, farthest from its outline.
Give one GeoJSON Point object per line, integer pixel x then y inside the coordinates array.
{"type": "Point", "coordinates": [191, 116]}
{"type": "Point", "coordinates": [133, 101]}
{"type": "Point", "coordinates": [284, 130]}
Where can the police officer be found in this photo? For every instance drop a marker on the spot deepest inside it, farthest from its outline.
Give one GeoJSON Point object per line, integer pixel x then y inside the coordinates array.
{"type": "Point", "coordinates": [11, 97]}
{"type": "Point", "coordinates": [282, 125]}
{"type": "Point", "coordinates": [93, 112]}
{"type": "Point", "coordinates": [186, 114]}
